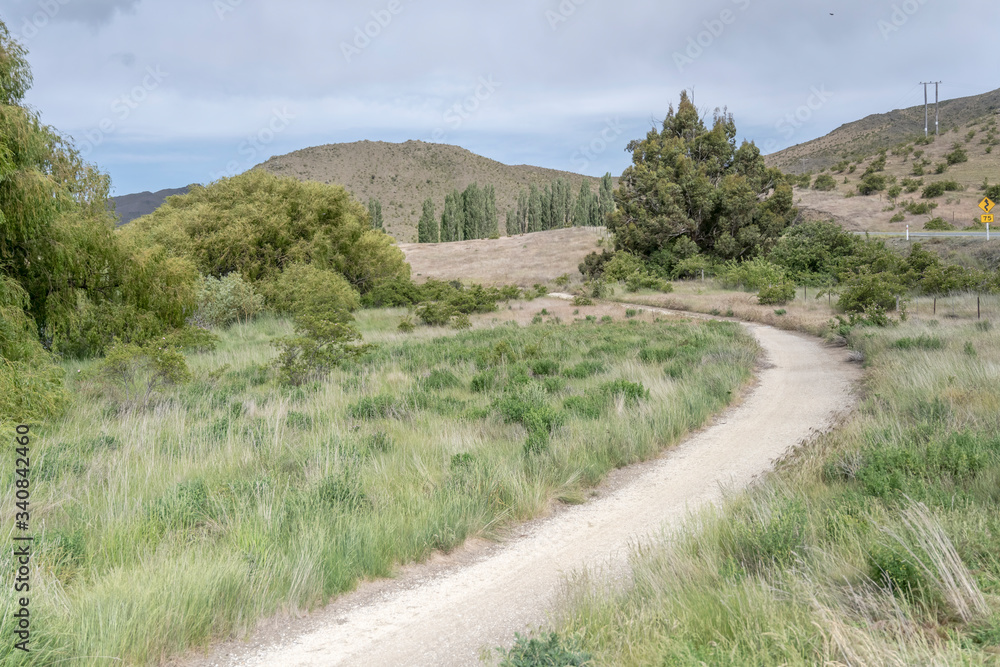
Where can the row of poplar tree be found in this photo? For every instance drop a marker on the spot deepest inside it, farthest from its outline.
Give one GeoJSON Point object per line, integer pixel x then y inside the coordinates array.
{"type": "Point", "coordinates": [472, 214]}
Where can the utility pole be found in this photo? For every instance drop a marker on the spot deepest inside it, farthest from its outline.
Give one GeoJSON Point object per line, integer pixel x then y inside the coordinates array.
{"type": "Point", "coordinates": [924, 84]}
{"type": "Point", "coordinates": [936, 107]}
{"type": "Point", "coordinates": [936, 115]}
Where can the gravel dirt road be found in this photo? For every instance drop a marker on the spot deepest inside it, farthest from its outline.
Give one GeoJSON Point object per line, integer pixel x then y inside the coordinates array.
{"type": "Point", "coordinates": [447, 611]}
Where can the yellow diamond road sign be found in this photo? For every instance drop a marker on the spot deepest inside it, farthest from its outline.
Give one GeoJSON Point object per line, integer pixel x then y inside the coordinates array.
{"type": "Point", "coordinates": [986, 205]}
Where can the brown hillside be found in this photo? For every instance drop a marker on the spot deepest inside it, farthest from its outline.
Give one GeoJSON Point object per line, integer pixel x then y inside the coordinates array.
{"type": "Point", "coordinates": [403, 175]}
{"type": "Point", "coordinates": [876, 132]}
{"type": "Point", "coordinates": [969, 122]}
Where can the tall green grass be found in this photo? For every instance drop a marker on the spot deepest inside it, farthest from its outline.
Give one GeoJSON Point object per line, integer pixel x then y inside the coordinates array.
{"type": "Point", "coordinates": [878, 545]}
{"type": "Point", "coordinates": [234, 497]}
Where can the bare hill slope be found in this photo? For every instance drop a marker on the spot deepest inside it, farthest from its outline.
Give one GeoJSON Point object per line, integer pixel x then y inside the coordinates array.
{"type": "Point", "coordinates": [403, 175]}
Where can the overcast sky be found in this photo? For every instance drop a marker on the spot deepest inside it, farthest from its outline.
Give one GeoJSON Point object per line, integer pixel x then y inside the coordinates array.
{"type": "Point", "coordinates": [164, 93]}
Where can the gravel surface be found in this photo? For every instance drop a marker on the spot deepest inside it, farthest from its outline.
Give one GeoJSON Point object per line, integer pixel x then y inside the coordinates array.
{"type": "Point", "coordinates": [451, 609]}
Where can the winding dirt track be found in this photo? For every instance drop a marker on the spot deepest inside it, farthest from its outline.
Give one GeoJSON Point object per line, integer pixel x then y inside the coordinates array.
{"type": "Point", "coordinates": [435, 615]}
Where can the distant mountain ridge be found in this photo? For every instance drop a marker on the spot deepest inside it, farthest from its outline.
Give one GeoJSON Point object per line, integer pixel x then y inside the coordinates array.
{"type": "Point", "coordinates": [873, 133]}
{"type": "Point", "coordinates": [130, 207]}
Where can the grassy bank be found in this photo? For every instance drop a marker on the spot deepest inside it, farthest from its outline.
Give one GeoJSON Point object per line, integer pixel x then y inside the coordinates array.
{"type": "Point", "coordinates": [233, 498]}
{"type": "Point", "coordinates": [877, 546]}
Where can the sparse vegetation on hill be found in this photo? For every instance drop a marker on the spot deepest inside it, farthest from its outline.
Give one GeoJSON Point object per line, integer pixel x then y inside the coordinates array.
{"type": "Point", "coordinates": [403, 175]}
{"type": "Point", "coordinates": [879, 132]}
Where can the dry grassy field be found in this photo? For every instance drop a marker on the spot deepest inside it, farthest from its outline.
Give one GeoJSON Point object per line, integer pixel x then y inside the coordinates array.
{"type": "Point", "coordinates": [523, 260]}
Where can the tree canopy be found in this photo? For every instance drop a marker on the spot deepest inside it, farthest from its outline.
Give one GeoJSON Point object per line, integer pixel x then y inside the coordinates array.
{"type": "Point", "coordinates": [256, 224]}
{"type": "Point", "coordinates": [690, 182]}
{"type": "Point", "coordinates": [57, 239]}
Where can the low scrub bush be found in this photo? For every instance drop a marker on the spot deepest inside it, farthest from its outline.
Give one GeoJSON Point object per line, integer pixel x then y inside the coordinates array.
{"type": "Point", "coordinates": [544, 651]}
{"type": "Point", "coordinates": [222, 302]}
{"type": "Point", "coordinates": [825, 183]}
{"type": "Point", "coordinates": [938, 224]}
{"type": "Point", "coordinates": [135, 375]}
{"type": "Point", "coordinates": [777, 294]}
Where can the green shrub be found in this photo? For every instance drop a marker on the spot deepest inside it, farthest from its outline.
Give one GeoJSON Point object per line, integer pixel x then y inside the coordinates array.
{"type": "Point", "coordinates": [435, 313]}
{"type": "Point", "coordinates": [307, 291]}
{"type": "Point", "coordinates": [922, 342]}
{"type": "Point", "coordinates": [222, 302]}
{"type": "Point", "coordinates": [582, 301]}
{"type": "Point", "coordinates": [544, 367]}
{"type": "Point", "coordinates": [825, 183]}
{"type": "Point", "coordinates": [762, 539]}
{"type": "Point", "coordinates": [898, 217]}
{"type": "Point", "coordinates": [381, 406]}
{"type": "Point", "coordinates": [872, 183]}
{"type": "Point", "coordinates": [440, 378]}
{"type": "Point", "coordinates": [932, 190]}
{"type": "Point", "coordinates": [135, 375]}
{"type": "Point", "coordinates": [632, 392]}
{"type": "Point", "coordinates": [317, 347]}
{"type": "Point", "coordinates": [870, 293]}
{"type": "Point", "coordinates": [938, 224]}
{"type": "Point", "coordinates": [776, 294]}
{"type": "Point", "coordinates": [341, 490]}
{"type": "Point", "coordinates": [913, 208]}
{"type": "Point", "coordinates": [957, 155]}
{"type": "Point", "coordinates": [484, 381]}
{"type": "Point", "coordinates": [589, 406]}
{"type": "Point", "coordinates": [584, 369]}
{"type": "Point", "coordinates": [550, 651]}
{"type": "Point", "coordinates": [754, 275]}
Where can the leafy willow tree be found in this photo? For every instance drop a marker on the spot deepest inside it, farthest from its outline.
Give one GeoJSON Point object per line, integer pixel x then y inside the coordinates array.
{"type": "Point", "coordinates": [80, 287]}
{"type": "Point", "coordinates": [428, 230]}
{"type": "Point", "coordinates": [688, 181]}
{"type": "Point", "coordinates": [256, 224]}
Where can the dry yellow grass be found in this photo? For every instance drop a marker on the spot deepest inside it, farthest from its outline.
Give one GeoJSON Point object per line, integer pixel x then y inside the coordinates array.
{"type": "Point", "coordinates": [524, 260]}
{"type": "Point", "coordinates": [806, 313]}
